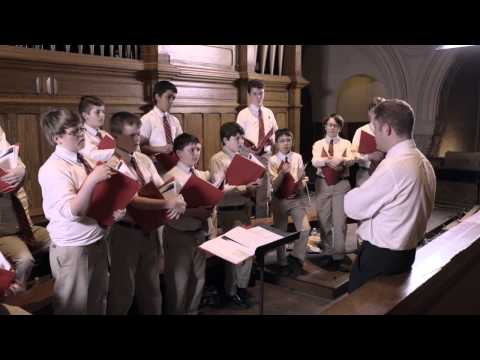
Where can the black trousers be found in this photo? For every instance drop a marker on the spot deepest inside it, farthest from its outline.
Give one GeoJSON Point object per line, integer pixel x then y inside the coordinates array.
{"type": "Point", "coordinates": [373, 261]}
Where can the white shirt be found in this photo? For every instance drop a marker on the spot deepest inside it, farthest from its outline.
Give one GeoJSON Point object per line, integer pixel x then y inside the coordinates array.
{"type": "Point", "coordinates": [90, 149]}
{"type": "Point", "coordinates": [296, 165]}
{"type": "Point", "coordinates": [395, 203]}
{"type": "Point", "coordinates": [8, 218]}
{"type": "Point", "coordinates": [361, 159]}
{"type": "Point", "coordinates": [60, 178]}
{"type": "Point", "coordinates": [341, 148]}
{"type": "Point", "coordinates": [248, 120]}
{"type": "Point", "coordinates": [148, 170]}
{"type": "Point", "coordinates": [182, 173]}
{"type": "Point", "coordinates": [153, 130]}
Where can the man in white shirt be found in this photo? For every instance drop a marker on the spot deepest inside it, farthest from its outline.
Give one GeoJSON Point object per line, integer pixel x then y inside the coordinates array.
{"type": "Point", "coordinates": [258, 121]}
{"type": "Point", "coordinates": [159, 127]}
{"type": "Point", "coordinates": [395, 203]}
{"type": "Point", "coordinates": [367, 162]}
{"type": "Point", "coordinates": [78, 252]}
{"type": "Point", "coordinates": [92, 111]}
{"type": "Point", "coordinates": [18, 236]}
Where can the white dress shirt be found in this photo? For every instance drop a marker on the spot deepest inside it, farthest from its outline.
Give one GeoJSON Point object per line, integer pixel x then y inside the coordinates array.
{"type": "Point", "coordinates": [8, 218]}
{"type": "Point", "coordinates": [340, 147]}
{"type": "Point", "coordinates": [60, 178]}
{"type": "Point", "coordinates": [90, 150]}
{"type": "Point", "coordinates": [361, 159]}
{"type": "Point", "coordinates": [248, 120]}
{"type": "Point", "coordinates": [296, 165]}
{"type": "Point", "coordinates": [395, 203]}
{"type": "Point", "coordinates": [153, 130]}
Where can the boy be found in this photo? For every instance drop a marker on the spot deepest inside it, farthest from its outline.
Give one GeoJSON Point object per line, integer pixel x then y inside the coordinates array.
{"type": "Point", "coordinates": [333, 152]}
{"type": "Point", "coordinates": [78, 253]}
{"type": "Point", "coordinates": [367, 162]}
{"type": "Point", "coordinates": [159, 127]}
{"type": "Point", "coordinates": [135, 267]}
{"type": "Point", "coordinates": [92, 111]}
{"type": "Point", "coordinates": [257, 121]}
{"type": "Point", "coordinates": [284, 162]}
{"type": "Point", "coordinates": [184, 261]}
{"type": "Point", "coordinates": [18, 235]}
{"type": "Point", "coordinates": [234, 210]}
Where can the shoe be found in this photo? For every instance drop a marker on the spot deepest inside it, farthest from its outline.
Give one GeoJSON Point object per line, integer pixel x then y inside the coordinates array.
{"type": "Point", "coordinates": [238, 301]}
{"type": "Point", "coordinates": [295, 265]}
{"type": "Point", "coordinates": [342, 265]}
{"type": "Point", "coordinates": [243, 293]}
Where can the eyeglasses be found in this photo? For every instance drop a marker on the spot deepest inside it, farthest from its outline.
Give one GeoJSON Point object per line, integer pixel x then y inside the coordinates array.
{"type": "Point", "coordinates": [332, 125]}
{"type": "Point", "coordinates": [76, 132]}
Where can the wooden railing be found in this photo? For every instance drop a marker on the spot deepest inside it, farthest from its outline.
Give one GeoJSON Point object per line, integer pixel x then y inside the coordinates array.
{"type": "Point", "coordinates": [120, 51]}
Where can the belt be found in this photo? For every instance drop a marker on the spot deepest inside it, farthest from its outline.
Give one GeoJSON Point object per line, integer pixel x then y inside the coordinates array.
{"type": "Point", "coordinates": [129, 225]}
{"type": "Point", "coordinates": [232, 208]}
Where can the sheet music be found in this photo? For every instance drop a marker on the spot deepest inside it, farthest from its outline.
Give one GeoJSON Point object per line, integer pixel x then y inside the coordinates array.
{"type": "Point", "coordinates": [228, 250]}
{"type": "Point", "coordinates": [264, 235]}
{"type": "Point", "coordinates": [169, 190]}
{"type": "Point", "coordinates": [4, 264]}
{"type": "Point", "coordinates": [9, 158]}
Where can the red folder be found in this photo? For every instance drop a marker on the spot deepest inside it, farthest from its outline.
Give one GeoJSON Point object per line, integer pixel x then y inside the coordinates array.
{"type": "Point", "coordinates": [149, 220]}
{"type": "Point", "coordinates": [289, 187]}
{"type": "Point", "coordinates": [4, 187]}
{"type": "Point", "coordinates": [198, 192]}
{"type": "Point", "coordinates": [331, 176]}
{"type": "Point", "coordinates": [6, 279]}
{"type": "Point", "coordinates": [243, 171]}
{"type": "Point", "coordinates": [367, 144]}
{"type": "Point", "coordinates": [168, 161]}
{"type": "Point", "coordinates": [264, 142]}
{"type": "Point", "coordinates": [106, 143]}
{"type": "Point", "coordinates": [110, 195]}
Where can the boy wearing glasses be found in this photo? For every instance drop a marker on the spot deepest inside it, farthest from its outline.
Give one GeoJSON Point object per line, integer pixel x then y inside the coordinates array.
{"type": "Point", "coordinates": [78, 252]}
{"type": "Point", "coordinates": [333, 153]}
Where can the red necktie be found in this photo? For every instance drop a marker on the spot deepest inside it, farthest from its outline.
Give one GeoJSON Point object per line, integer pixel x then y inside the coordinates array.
{"type": "Point", "coordinates": [330, 148]}
{"type": "Point", "coordinates": [134, 163]}
{"type": "Point", "coordinates": [261, 126]}
{"type": "Point", "coordinates": [168, 130]}
{"type": "Point", "coordinates": [26, 233]}
{"type": "Point", "coordinates": [84, 162]}
{"type": "Point", "coordinates": [99, 135]}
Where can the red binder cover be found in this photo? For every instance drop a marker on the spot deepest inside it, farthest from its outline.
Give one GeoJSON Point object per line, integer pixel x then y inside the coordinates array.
{"type": "Point", "coordinates": [264, 142]}
{"type": "Point", "coordinates": [4, 187]}
{"type": "Point", "coordinates": [198, 192]}
{"type": "Point", "coordinates": [110, 195]}
{"type": "Point", "coordinates": [6, 279]}
{"type": "Point", "coordinates": [168, 161]}
{"type": "Point", "coordinates": [289, 187]}
{"type": "Point", "coordinates": [149, 220]}
{"type": "Point", "coordinates": [367, 143]}
{"type": "Point", "coordinates": [243, 171]}
{"type": "Point", "coordinates": [331, 176]}
{"type": "Point", "coordinates": [106, 143]}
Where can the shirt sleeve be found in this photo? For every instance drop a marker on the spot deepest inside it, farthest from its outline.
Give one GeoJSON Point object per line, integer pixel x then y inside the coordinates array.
{"type": "Point", "coordinates": [367, 200]}
{"type": "Point", "coordinates": [317, 160]}
{"type": "Point", "coordinates": [146, 128]}
{"type": "Point", "coordinates": [178, 127]}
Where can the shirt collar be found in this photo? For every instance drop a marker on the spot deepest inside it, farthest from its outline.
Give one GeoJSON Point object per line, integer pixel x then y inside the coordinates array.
{"type": "Point", "coordinates": [91, 130]}
{"type": "Point", "coordinates": [186, 169]}
{"type": "Point", "coordinates": [336, 139]}
{"type": "Point", "coordinates": [160, 112]}
{"type": "Point", "coordinates": [401, 148]}
{"type": "Point", "coordinates": [230, 153]}
{"type": "Point", "coordinates": [66, 154]}
{"type": "Point", "coordinates": [254, 108]}
{"type": "Point", "coordinates": [282, 157]}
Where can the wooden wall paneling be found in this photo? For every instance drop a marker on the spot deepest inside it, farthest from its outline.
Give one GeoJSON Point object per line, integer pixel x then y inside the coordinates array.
{"type": "Point", "coordinates": [228, 117]}
{"type": "Point", "coordinates": [193, 124]}
{"type": "Point", "coordinates": [212, 142]}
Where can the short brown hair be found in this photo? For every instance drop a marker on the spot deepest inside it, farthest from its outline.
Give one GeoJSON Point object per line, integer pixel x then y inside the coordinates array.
{"type": "Point", "coordinates": [87, 102]}
{"type": "Point", "coordinates": [398, 114]}
{"type": "Point", "coordinates": [257, 84]}
{"type": "Point", "coordinates": [120, 119]}
{"type": "Point", "coordinates": [375, 101]}
{"type": "Point", "coordinates": [57, 121]}
{"type": "Point", "coordinates": [337, 117]}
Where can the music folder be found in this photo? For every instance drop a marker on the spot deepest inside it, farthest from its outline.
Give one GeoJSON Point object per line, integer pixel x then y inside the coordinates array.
{"type": "Point", "coordinates": [198, 192]}
{"type": "Point", "coordinates": [167, 161]}
{"type": "Point", "coordinates": [106, 143]}
{"type": "Point", "coordinates": [243, 171]}
{"type": "Point", "coordinates": [367, 143]}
